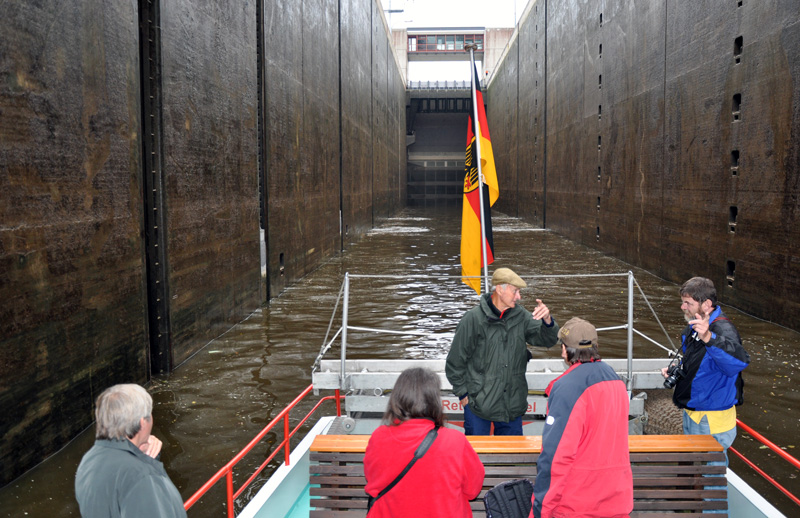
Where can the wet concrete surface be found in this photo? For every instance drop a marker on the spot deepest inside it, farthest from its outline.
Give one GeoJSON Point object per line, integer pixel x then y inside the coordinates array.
{"type": "Point", "coordinates": [213, 404]}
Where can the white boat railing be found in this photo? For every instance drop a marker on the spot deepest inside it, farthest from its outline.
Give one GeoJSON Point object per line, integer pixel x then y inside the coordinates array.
{"type": "Point", "coordinates": [344, 297]}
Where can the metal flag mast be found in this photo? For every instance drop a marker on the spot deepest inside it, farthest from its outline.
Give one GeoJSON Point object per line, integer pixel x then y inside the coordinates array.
{"type": "Point", "coordinates": [477, 132]}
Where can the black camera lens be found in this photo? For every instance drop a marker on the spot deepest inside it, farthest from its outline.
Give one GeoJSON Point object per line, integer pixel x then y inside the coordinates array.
{"type": "Point", "coordinates": [674, 373]}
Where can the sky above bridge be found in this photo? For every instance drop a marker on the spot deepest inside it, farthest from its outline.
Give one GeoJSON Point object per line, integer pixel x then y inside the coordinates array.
{"type": "Point", "coordinates": [453, 13]}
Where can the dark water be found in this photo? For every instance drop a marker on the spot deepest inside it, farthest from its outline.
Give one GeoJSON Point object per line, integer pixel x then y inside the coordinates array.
{"type": "Point", "coordinates": [212, 405]}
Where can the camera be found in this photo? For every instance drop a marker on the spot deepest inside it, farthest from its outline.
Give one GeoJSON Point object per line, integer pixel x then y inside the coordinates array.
{"type": "Point", "coordinates": [674, 373]}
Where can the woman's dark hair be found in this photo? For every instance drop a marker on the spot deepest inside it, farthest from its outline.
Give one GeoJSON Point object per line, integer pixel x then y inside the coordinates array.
{"type": "Point", "coordinates": [416, 394]}
{"type": "Point", "coordinates": [587, 354]}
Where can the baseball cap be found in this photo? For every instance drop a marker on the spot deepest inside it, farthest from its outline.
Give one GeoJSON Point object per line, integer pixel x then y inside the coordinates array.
{"type": "Point", "coordinates": [575, 331]}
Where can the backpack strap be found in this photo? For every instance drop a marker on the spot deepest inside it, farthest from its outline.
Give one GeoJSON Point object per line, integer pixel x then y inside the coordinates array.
{"type": "Point", "coordinates": [421, 449]}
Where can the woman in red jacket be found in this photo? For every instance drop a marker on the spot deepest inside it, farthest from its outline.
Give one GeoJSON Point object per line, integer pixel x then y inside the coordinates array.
{"type": "Point", "coordinates": [443, 481]}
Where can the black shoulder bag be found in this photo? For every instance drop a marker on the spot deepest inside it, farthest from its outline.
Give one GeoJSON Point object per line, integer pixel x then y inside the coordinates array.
{"type": "Point", "coordinates": [421, 449]}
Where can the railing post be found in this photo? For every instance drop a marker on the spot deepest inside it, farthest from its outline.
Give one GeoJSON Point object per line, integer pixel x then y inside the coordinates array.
{"type": "Point", "coordinates": [630, 329]}
{"type": "Point", "coordinates": [338, 403]}
{"type": "Point", "coordinates": [345, 309]}
{"type": "Point", "coordinates": [229, 490]}
{"type": "Point", "coordinates": [287, 450]}
{"type": "Point", "coordinates": [769, 444]}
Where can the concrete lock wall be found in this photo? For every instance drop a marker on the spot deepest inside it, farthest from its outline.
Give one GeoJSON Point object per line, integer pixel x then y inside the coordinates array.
{"type": "Point", "coordinates": [337, 153]}
{"type": "Point", "coordinates": [210, 100]}
{"type": "Point", "coordinates": [84, 285]}
{"type": "Point", "coordinates": [663, 133]}
{"type": "Point", "coordinates": [72, 294]}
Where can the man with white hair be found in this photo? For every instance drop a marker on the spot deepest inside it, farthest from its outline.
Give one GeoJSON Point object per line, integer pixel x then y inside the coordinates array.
{"type": "Point", "coordinates": [488, 358]}
{"type": "Point", "coordinates": [120, 475]}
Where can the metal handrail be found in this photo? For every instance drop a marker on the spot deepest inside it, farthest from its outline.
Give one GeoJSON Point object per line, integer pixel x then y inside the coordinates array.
{"type": "Point", "coordinates": [772, 446]}
{"type": "Point", "coordinates": [227, 470]}
{"type": "Point", "coordinates": [440, 85]}
{"type": "Point", "coordinates": [344, 297]}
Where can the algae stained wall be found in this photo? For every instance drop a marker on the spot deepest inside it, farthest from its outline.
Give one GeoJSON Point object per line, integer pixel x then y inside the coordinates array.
{"type": "Point", "coordinates": [670, 135]}
{"type": "Point", "coordinates": [302, 92]}
{"type": "Point", "coordinates": [388, 112]}
{"type": "Point", "coordinates": [530, 201]}
{"type": "Point", "coordinates": [209, 96]}
{"type": "Point", "coordinates": [736, 155]}
{"type": "Point", "coordinates": [72, 314]}
{"type": "Point", "coordinates": [336, 163]}
{"type": "Point", "coordinates": [77, 294]}
{"type": "Point", "coordinates": [357, 107]}
{"type": "Point", "coordinates": [502, 128]}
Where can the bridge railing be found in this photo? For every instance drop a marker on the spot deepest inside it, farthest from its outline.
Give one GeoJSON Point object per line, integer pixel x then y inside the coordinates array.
{"type": "Point", "coordinates": [440, 85]}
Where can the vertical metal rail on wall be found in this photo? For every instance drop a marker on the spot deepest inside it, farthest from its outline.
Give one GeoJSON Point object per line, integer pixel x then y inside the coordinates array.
{"type": "Point", "coordinates": [630, 330]}
{"type": "Point", "coordinates": [345, 310]}
{"type": "Point", "coordinates": [341, 138]}
{"type": "Point", "coordinates": [153, 186]}
{"type": "Point", "coordinates": [263, 186]}
{"type": "Point", "coordinates": [544, 79]}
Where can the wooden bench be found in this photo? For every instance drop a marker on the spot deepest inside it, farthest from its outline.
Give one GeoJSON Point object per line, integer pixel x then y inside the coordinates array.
{"type": "Point", "coordinates": [667, 473]}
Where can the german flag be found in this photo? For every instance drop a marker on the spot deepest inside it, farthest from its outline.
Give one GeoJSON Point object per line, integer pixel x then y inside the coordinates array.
{"type": "Point", "coordinates": [471, 253]}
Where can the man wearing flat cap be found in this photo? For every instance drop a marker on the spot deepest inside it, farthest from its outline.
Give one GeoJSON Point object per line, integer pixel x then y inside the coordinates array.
{"type": "Point", "coordinates": [488, 358]}
{"type": "Point", "coordinates": [585, 437]}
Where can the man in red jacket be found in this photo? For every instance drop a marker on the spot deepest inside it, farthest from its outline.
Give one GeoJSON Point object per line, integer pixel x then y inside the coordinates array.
{"type": "Point", "coordinates": [584, 469]}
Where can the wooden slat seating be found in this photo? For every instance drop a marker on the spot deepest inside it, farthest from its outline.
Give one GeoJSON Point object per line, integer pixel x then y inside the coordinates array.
{"type": "Point", "coordinates": [668, 473]}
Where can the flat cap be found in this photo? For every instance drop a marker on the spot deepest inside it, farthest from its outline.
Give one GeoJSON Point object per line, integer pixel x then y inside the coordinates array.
{"type": "Point", "coordinates": [507, 276]}
{"type": "Point", "coordinates": [577, 333]}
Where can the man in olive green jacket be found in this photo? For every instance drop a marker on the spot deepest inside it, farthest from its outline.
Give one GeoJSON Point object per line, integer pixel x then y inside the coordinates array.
{"type": "Point", "coordinates": [488, 358]}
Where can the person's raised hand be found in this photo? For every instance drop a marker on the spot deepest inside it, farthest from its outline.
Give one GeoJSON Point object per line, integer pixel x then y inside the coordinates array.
{"type": "Point", "coordinates": [540, 312]}
{"type": "Point", "coordinates": [700, 326]}
{"type": "Point", "coordinates": [152, 447]}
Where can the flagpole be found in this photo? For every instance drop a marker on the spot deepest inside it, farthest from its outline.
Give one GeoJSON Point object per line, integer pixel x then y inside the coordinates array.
{"type": "Point", "coordinates": [477, 132]}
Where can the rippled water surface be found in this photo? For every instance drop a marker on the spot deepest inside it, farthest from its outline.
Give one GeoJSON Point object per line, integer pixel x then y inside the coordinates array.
{"type": "Point", "coordinates": [213, 404]}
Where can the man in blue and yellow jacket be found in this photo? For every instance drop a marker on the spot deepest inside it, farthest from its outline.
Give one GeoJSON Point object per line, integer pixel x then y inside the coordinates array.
{"type": "Point", "coordinates": [709, 382]}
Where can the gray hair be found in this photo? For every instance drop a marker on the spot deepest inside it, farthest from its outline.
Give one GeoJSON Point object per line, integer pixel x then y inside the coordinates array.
{"type": "Point", "coordinates": [120, 409]}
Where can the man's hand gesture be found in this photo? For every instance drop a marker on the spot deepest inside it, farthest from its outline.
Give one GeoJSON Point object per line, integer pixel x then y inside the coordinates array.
{"type": "Point", "coordinates": [540, 312]}
{"type": "Point", "coordinates": [152, 447]}
{"type": "Point", "coordinates": [700, 326]}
